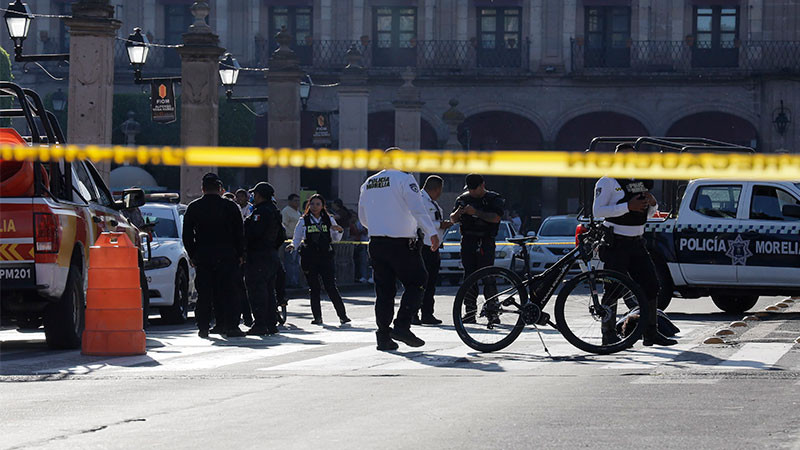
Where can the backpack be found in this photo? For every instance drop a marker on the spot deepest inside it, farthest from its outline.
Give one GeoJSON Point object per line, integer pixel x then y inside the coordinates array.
{"type": "Point", "coordinates": [280, 236]}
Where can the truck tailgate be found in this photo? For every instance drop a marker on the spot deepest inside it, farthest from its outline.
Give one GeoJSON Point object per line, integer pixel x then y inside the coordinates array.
{"type": "Point", "coordinates": [17, 269]}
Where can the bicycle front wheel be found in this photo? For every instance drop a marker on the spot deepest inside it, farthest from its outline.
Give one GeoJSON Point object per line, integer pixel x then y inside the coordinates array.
{"type": "Point", "coordinates": [487, 309]}
{"type": "Point", "coordinates": [592, 313]}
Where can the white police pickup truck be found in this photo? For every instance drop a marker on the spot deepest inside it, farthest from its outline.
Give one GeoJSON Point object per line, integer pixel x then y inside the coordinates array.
{"type": "Point", "coordinates": [732, 240]}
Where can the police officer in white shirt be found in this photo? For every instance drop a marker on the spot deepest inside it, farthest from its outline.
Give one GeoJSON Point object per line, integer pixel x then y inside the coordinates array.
{"type": "Point", "coordinates": [391, 207]}
{"type": "Point", "coordinates": [431, 191]}
{"type": "Point", "coordinates": [626, 204]}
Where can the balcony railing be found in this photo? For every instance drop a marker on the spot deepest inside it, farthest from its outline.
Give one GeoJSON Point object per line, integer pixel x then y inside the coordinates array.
{"type": "Point", "coordinates": [686, 58]}
{"type": "Point", "coordinates": [429, 57]}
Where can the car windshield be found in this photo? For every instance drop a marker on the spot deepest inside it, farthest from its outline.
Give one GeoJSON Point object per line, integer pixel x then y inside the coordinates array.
{"type": "Point", "coordinates": [166, 226]}
{"type": "Point", "coordinates": [798, 185]}
{"type": "Point", "coordinates": [559, 227]}
{"type": "Point", "coordinates": [454, 234]}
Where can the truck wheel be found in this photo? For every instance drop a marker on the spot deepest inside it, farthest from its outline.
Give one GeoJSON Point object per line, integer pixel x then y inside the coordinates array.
{"type": "Point", "coordinates": [734, 304]}
{"type": "Point", "coordinates": [179, 311]}
{"type": "Point", "coordinates": [666, 285]}
{"type": "Point", "coordinates": [64, 319]}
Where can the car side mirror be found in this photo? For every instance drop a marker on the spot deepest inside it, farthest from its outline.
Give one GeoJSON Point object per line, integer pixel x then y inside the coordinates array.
{"type": "Point", "coordinates": [132, 198]}
{"type": "Point", "coordinates": [531, 234]}
{"type": "Point", "coordinates": [791, 211]}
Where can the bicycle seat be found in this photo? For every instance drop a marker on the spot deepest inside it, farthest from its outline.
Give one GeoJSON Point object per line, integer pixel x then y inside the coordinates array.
{"type": "Point", "coordinates": [522, 240]}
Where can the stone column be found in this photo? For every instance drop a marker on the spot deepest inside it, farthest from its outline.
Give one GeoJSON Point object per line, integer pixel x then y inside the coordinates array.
{"type": "Point", "coordinates": [353, 116]}
{"type": "Point", "coordinates": [283, 79]}
{"type": "Point", "coordinates": [453, 184]}
{"type": "Point", "coordinates": [408, 114]}
{"type": "Point", "coordinates": [199, 95]}
{"type": "Point", "coordinates": [550, 192]}
{"type": "Point", "coordinates": [92, 29]}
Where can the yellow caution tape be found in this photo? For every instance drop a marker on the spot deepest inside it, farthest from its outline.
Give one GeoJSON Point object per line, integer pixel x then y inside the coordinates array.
{"type": "Point", "coordinates": [679, 166]}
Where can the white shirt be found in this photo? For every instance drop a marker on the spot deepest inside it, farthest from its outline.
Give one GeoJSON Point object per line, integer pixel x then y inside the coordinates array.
{"type": "Point", "coordinates": [607, 194]}
{"type": "Point", "coordinates": [246, 210]}
{"type": "Point", "coordinates": [300, 230]}
{"type": "Point", "coordinates": [433, 207]}
{"type": "Point", "coordinates": [390, 205]}
{"type": "Point", "coordinates": [289, 217]}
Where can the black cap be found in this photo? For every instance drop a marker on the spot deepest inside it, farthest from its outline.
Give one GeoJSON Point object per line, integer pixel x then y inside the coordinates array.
{"type": "Point", "coordinates": [211, 179]}
{"type": "Point", "coordinates": [472, 181]}
{"type": "Point", "coordinates": [264, 189]}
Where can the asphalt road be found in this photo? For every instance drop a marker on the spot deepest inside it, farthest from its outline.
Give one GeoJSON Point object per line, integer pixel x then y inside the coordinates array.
{"type": "Point", "coordinates": [327, 387]}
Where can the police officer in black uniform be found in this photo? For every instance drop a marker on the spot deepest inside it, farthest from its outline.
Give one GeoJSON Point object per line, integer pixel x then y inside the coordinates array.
{"type": "Point", "coordinates": [315, 232]}
{"type": "Point", "coordinates": [213, 238]}
{"type": "Point", "coordinates": [263, 233]}
{"type": "Point", "coordinates": [478, 211]}
{"type": "Point", "coordinates": [626, 204]}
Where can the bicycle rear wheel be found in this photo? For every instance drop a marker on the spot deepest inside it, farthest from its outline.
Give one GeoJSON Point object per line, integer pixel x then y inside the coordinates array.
{"type": "Point", "coordinates": [597, 326]}
{"type": "Point", "coordinates": [486, 310]}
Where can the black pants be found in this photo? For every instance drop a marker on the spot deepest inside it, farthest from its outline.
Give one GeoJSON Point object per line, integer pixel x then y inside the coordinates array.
{"type": "Point", "coordinates": [630, 256]}
{"type": "Point", "coordinates": [214, 282]}
{"type": "Point", "coordinates": [318, 265]}
{"type": "Point", "coordinates": [476, 253]}
{"type": "Point", "coordinates": [260, 271]}
{"type": "Point", "coordinates": [393, 260]}
{"type": "Point", "coordinates": [432, 264]}
{"type": "Point", "coordinates": [241, 291]}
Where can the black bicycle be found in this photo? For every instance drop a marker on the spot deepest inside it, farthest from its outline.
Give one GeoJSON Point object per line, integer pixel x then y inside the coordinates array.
{"type": "Point", "coordinates": [494, 304]}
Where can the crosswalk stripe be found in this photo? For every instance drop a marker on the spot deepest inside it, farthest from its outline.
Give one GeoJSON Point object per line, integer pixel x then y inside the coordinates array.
{"type": "Point", "coordinates": [756, 355]}
{"type": "Point", "coordinates": [647, 357]}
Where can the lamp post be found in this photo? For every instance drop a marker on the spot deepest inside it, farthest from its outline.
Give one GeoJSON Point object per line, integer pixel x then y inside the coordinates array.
{"type": "Point", "coordinates": [18, 19]}
{"type": "Point", "coordinates": [782, 119]}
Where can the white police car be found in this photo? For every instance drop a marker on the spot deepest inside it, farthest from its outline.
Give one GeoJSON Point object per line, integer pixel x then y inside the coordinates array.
{"type": "Point", "coordinates": [451, 267]}
{"type": "Point", "coordinates": [732, 240]}
{"type": "Point", "coordinates": [169, 274]}
{"type": "Point", "coordinates": [555, 239]}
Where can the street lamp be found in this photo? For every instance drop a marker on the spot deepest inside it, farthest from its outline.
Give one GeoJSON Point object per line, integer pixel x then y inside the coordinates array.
{"type": "Point", "coordinates": [138, 48]}
{"type": "Point", "coordinates": [229, 69]}
{"type": "Point", "coordinates": [782, 119]}
{"type": "Point", "coordinates": [18, 22]}
{"type": "Point", "coordinates": [59, 101]}
{"type": "Point", "coordinates": [229, 73]}
{"type": "Point", "coordinates": [305, 92]}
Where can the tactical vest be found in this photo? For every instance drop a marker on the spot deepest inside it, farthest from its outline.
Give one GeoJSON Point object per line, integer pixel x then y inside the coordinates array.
{"type": "Point", "coordinates": [632, 188]}
{"type": "Point", "coordinates": [318, 235]}
{"type": "Point", "coordinates": [473, 226]}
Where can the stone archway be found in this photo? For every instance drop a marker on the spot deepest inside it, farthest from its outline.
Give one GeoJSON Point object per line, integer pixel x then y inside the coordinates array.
{"type": "Point", "coordinates": [503, 130]}
{"type": "Point", "coordinates": [380, 132]}
{"type": "Point", "coordinates": [716, 125]}
{"type": "Point", "coordinates": [575, 135]}
{"type": "Point", "coordinates": [577, 132]}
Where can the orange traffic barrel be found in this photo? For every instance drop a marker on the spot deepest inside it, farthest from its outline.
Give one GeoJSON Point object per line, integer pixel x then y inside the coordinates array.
{"type": "Point", "coordinates": [114, 299]}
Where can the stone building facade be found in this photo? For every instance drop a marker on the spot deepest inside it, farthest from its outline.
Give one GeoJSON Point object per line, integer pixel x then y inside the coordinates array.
{"type": "Point", "coordinates": [526, 74]}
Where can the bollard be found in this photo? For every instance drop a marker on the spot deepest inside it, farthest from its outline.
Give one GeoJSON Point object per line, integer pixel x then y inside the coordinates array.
{"type": "Point", "coordinates": [114, 299]}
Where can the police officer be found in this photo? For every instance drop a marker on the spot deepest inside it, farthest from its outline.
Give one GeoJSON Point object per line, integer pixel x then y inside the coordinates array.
{"type": "Point", "coordinates": [478, 210]}
{"type": "Point", "coordinates": [391, 207]}
{"type": "Point", "coordinates": [263, 236]}
{"type": "Point", "coordinates": [431, 191]}
{"type": "Point", "coordinates": [313, 235]}
{"type": "Point", "coordinates": [626, 204]}
{"type": "Point", "coordinates": [213, 238]}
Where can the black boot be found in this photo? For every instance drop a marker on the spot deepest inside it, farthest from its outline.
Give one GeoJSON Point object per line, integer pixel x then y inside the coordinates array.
{"type": "Point", "coordinates": [385, 343]}
{"type": "Point", "coordinates": [653, 337]}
